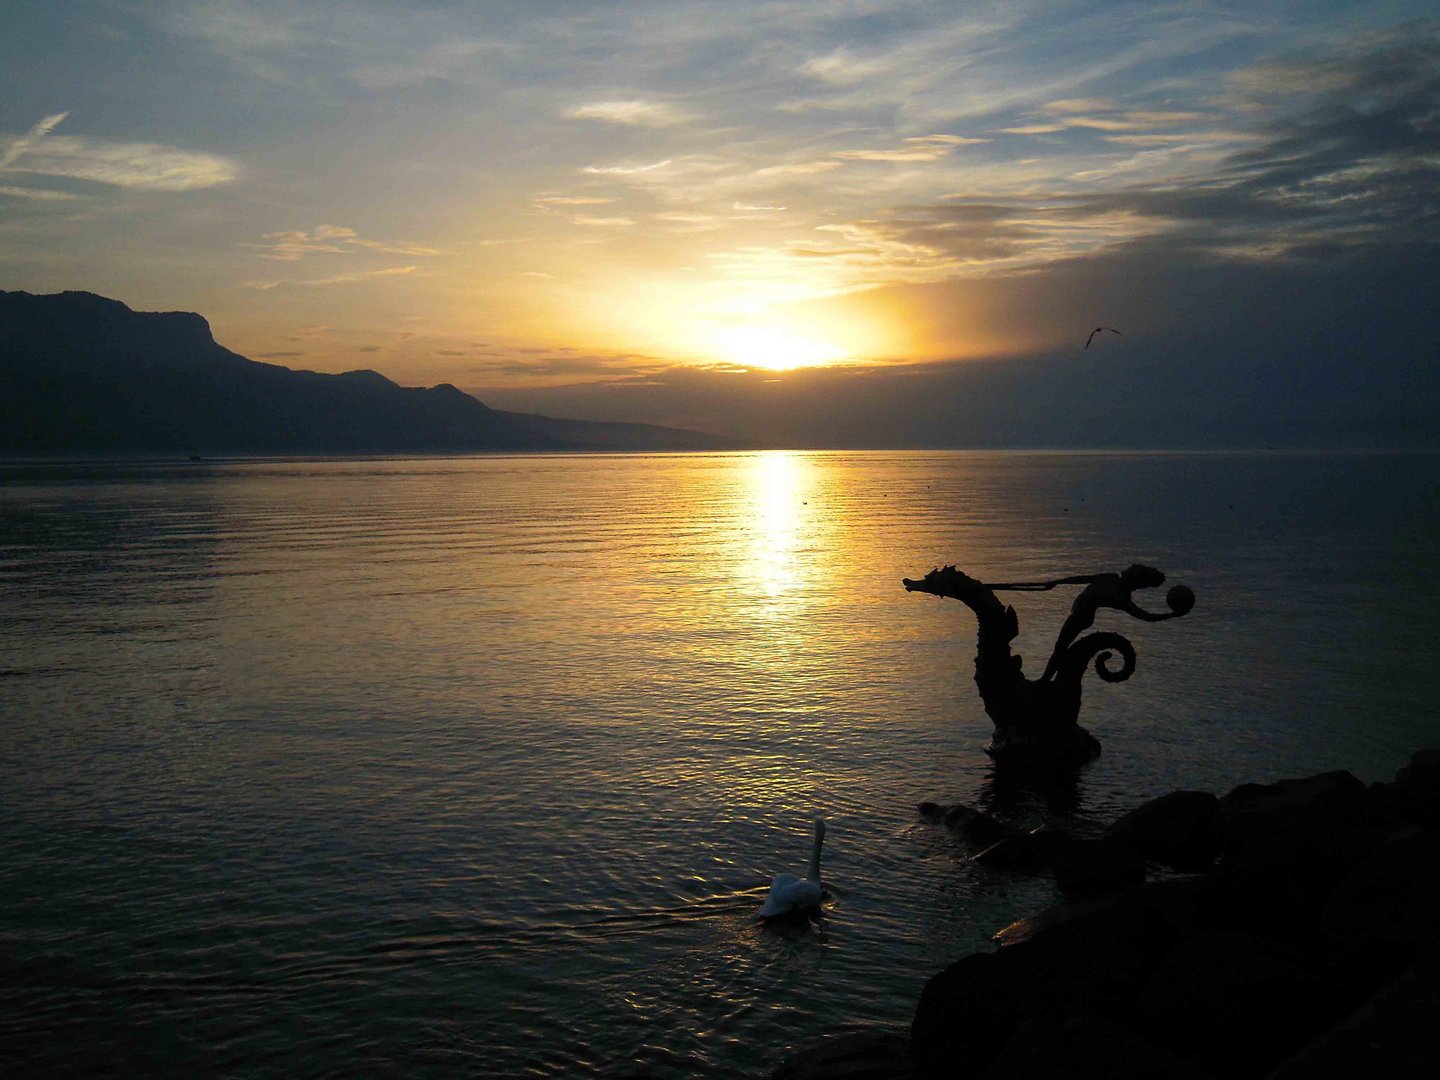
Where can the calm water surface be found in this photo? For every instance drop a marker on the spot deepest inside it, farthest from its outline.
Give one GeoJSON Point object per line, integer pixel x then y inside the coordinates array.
{"type": "Point", "coordinates": [481, 766]}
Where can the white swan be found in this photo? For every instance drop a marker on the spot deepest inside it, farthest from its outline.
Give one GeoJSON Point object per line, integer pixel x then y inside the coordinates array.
{"type": "Point", "coordinates": [789, 893]}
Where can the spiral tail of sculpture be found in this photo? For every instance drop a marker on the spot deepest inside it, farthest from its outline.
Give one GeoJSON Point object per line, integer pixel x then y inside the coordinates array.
{"type": "Point", "coordinates": [1099, 647]}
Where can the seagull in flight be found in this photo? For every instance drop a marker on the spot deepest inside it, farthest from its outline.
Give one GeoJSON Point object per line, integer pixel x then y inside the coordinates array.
{"type": "Point", "coordinates": [1097, 330]}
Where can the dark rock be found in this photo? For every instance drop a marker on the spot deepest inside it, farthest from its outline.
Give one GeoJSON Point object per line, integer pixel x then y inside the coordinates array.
{"type": "Point", "coordinates": [1092, 867]}
{"type": "Point", "coordinates": [976, 826]}
{"type": "Point", "coordinates": [1418, 786]}
{"type": "Point", "coordinates": [1275, 875]}
{"type": "Point", "coordinates": [930, 811]}
{"type": "Point", "coordinates": [968, 1010]}
{"type": "Point", "coordinates": [1175, 906]}
{"type": "Point", "coordinates": [1235, 1003]}
{"type": "Point", "coordinates": [1181, 829]}
{"type": "Point", "coordinates": [1086, 1048]}
{"type": "Point", "coordinates": [1388, 907]}
{"type": "Point", "coordinates": [1390, 1035]}
{"type": "Point", "coordinates": [860, 1055]}
{"type": "Point", "coordinates": [1032, 852]}
{"type": "Point", "coordinates": [1095, 961]}
{"type": "Point", "coordinates": [1288, 845]}
{"type": "Point", "coordinates": [1338, 794]}
{"type": "Point", "coordinates": [1385, 804]}
{"type": "Point", "coordinates": [1025, 929]}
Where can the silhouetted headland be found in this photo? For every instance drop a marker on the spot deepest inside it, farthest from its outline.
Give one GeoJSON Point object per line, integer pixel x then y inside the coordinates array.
{"type": "Point", "coordinates": [80, 373]}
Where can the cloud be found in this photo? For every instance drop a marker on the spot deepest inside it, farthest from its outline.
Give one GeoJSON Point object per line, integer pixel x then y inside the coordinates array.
{"type": "Point", "coordinates": [337, 279]}
{"type": "Point", "coordinates": [572, 200]}
{"type": "Point", "coordinates": [843, 67]}
{"type": "Point", "coordinates": [39, 194]}
{"type": "Point", "coordinates": [136, 165]}
{"type": "Point", "coordinates": [445, 61]}
{"type": "Point", "coordinates": [625, 170]}
{"type": "Point", "coordinates": [21, 143]}
{"type": "Point", "coordinates": [295, 244]}
{"type": "Point", "coordinates": [1079, 105]}
{"type": "Point", "coordinates": [1337, 172]}
{"type": "Point", "coordinates": [596, 221]}
{"type": "Point", "coordinates": [918, 148]}
{"type": "Point", "coordinates": [525, 366]}
{"type": "Point", "coordinates": [1344, 169]}
{"type": "Point", "coordinates": [635, 113]}
{"type": "Point", "coordinates": [799, 168]}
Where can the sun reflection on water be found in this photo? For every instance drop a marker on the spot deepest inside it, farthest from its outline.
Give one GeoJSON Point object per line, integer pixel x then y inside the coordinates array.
{"type": "Point", "coordinates": [778, 482]}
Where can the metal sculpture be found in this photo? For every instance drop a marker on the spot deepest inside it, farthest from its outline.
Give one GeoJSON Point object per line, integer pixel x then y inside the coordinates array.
{"type": "Point", "coordinates": [1037, 720]}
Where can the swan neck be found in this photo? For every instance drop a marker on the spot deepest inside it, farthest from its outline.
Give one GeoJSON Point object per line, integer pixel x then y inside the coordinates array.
{"type": "Point", "coordinates": [814, 874]}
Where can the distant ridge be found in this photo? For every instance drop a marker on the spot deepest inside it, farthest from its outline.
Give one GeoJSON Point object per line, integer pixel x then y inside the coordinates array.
{"type": "Point", "coordinates": [81, 373]}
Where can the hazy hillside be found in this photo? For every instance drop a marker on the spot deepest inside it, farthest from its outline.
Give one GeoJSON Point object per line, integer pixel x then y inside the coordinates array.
{"type": "Point", "coordinates": [82, 373]}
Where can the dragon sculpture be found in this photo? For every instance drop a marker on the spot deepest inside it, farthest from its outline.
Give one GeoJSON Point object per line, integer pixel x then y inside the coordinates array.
{"type": "Point", "coordinates": [1038, 719]}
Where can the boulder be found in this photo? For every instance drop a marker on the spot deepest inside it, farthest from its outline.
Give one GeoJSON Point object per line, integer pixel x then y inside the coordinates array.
{"type": "Point", "coordinates": [858, 1055]}
{"type": "Point", "coordinates": [1180, 830]}
{"type": "Point", "coordinates": [1235, 1003]}
{"type": "Point", "coordinates": [1095, 961]}
{"type": "Point", "coordinates": [1093, 867]}
{"type": "Point", "coordinates": [1088, 1047]}
{"type": "Point", "coordinates": [1338, 796]}
{"type": "Point", "coordinates": [1032, 852]}
{"type": "Point", "coordinates": [1418, 785]}
{"type": "Point", "coordinates": [1390, 1035]}
{"type": "Point", "coordinates": [1275, 874]}
{"type": "Point", "coordinates": [1287, 845]}
{"type": "Point", "coordinates": [975, 826]}
{"type": "Point", "coordinates": [1173, 908]}
{"type": "Point", "coordinates": [1386, 909]}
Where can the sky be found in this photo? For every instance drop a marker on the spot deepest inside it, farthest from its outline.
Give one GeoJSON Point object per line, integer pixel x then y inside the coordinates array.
{"type": "Point", "coordinates": [856, 222]}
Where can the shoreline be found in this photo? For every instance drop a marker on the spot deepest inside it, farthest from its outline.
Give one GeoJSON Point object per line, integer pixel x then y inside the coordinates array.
{"type": "Point", "coordinates": [1287, 930]}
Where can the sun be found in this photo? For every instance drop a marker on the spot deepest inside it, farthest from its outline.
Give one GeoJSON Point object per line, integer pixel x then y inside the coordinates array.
{"type": "Point", "coordinates": [771, 347]}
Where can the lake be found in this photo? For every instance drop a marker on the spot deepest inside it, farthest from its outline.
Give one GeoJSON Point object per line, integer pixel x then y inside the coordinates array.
{"type": "Point", "coordinates": [482, 765]}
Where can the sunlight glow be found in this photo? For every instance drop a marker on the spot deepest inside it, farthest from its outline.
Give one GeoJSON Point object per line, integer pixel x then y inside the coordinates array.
{"type": "Point", "coordinates": [771, 347]}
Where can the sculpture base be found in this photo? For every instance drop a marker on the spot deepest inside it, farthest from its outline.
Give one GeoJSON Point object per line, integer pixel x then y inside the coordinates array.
{"type": "Point", "coordinates": [1068, 745]}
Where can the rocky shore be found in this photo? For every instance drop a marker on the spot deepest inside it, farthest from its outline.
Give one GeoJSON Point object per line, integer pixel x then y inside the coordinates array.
{"type": "Point", "coordinates": [1287, 930]}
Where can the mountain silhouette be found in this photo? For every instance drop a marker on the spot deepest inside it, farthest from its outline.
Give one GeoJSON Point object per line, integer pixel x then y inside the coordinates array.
{"type": "Point", "coordinates": [80, 373]}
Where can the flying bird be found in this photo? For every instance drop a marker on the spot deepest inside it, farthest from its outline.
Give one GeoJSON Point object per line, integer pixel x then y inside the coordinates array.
{"type": "Point", "coordinates": [790, 894]}
{"type": "Point", "coordinates": [1097, 330]}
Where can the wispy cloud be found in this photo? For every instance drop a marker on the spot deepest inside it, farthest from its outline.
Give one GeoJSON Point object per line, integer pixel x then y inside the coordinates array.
{"type": "Point", "coordinates": [844, 67]}
{"type": "Point", "coordinates": [602, 222]}
{"type": "Point", "coordinates": [917, 148]}
{"type": "Point", "coordinates": [140, 166]}
{"type": "Point", "coordinates": [21, 143]}
{"type": "Point", "coordinates": [572, 200]}
{"type": "Point", "coordinates": [38, 194]}
{"type": "Point", "coordinates": [626, 170]}
{"type": "Point", "coordinates": [635, 113]}
{"type": "Point", "coordinates": [336, 279]}
{"type": "Point", "coordinates": [293, 245]}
